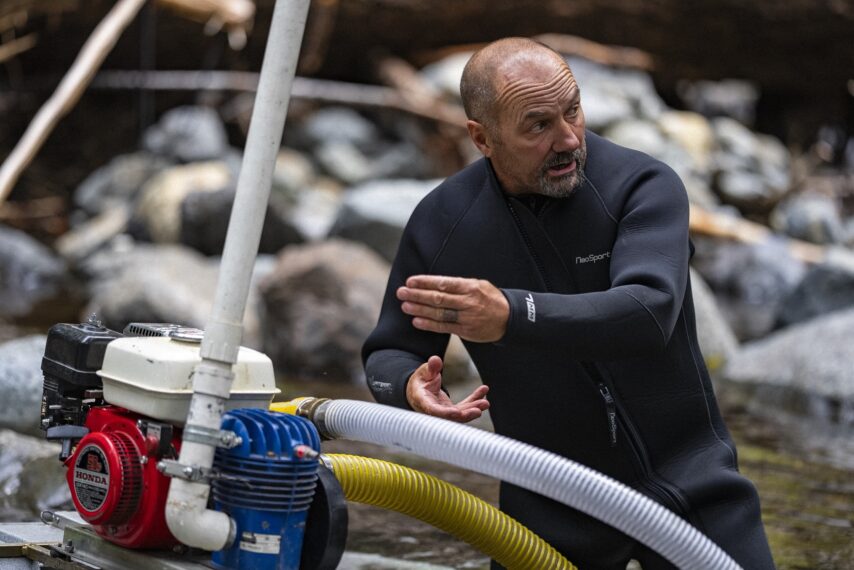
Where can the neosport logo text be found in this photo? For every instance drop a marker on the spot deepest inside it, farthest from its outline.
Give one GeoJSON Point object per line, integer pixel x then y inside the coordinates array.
{"type": "Point", "coordinates": [593, 257]}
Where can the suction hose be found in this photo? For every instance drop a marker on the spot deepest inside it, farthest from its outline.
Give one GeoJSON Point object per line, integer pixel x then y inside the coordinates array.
{"type": "Point", "coordinates": [524, 465]}
{"type": "Point", "coordinates": [472, 520]}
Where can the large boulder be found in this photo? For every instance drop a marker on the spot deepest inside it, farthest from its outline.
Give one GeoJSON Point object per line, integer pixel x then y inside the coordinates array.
{"type": "Point", "coordinates": [717, 341]}
{"type": "Point", "coordinates": [34, 282]}
{"type": "Point", "coordinates": [751, 170]}
{"type": "Point", "coordinates": [21, 384]}
{"type": "Point", "coordinates": [806, 367]}
{"type": "Point", "coordinates": [158, 212]}
{"type": "Point", "coordinates": [810, 216]}
{"type": "Point", "coordinates": [188, 134]}
{"type": "Point", "coordinates": [319, 304]}
{"type": "Point", "coordinates": [824, 289]}
{"type": "Point", "coordinates": [149, 283]}
{"type": "Point", "coordinates": [375, 213]}
{"type": "Point", "coordinates": [118, 182]}
{"type": "Point", "coordinates": [750, 281]}
{"type": "Point", "coordinates": [32, 479]}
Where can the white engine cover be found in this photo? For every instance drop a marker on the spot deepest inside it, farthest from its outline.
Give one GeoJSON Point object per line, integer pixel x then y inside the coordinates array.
{"type": "Point", "coordinates": [153, 376]}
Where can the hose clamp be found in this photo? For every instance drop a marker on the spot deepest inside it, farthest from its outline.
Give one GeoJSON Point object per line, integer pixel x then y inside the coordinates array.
{"type": "Point", "coordinates": [213, 437]}
{"type": "Point", "coordinates": [193, 473]}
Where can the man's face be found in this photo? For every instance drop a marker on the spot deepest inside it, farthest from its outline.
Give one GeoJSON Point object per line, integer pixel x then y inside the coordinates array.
{"type": "Point", "coordinates": [537, 133]}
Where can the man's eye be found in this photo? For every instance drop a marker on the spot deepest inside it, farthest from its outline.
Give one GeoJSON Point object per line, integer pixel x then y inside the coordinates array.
{"type": "Point", "coordinates": [538, 127]}
{"type": "Point", "coordinates": [573, 111]}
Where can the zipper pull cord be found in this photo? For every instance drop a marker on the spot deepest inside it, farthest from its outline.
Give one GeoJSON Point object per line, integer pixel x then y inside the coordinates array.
{"type": "Point", "coordinates": [611, 410]}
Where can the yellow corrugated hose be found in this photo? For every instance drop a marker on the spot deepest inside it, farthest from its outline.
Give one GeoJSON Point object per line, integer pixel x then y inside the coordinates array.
{"type": "Point", "coordinates": [449, 508]}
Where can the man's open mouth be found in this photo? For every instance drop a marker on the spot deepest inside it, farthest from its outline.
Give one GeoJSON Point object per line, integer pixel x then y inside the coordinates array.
{"type": "Point", "coordinates": [562, 168]}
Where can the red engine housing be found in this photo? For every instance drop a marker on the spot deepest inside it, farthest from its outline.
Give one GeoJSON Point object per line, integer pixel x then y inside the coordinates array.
{"type": "Point", "coordinates": [114, 480]}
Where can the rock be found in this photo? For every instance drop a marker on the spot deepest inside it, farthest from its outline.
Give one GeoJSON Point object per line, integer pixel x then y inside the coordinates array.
{"type": "Point", "coordinates": [159, 209]}
{"type": "Point", "coordinates": [117, 183]}
{"type": "Point", "coordinates": [810, 216]}
{"type": "Point", "coordinates": [188, 134]}
{"type": "Point", "coordinates": [34, 282]}
{"type": "Point", "coordinates": [806, 366]}
{"type": "Point", "coordinates": [446, 73]}
{"type": "Point", "coordinates": [750, 281]}
{"type": "Point", "coordinates": [316, 209]}
{"type": "Point", "coordinates": [293, 171]}
{"type": "Point", "coordinates": [639, 134]}
{"type": "Point", "coordinates": [692, 132]}
{"type": "Point", "coordinates": [717, 341]}
{"type": "Point", "coordinates": [604, 108]}
{"type": "Point", "coordinates": [648, 137]}
{"type": "Point", "coordinates": [340, 125]}
{"type": "Point", "coordinates": [375, 213]}
{"type": "Point", "coordinates": [633, 85]}
{"type": "Point", "coordinates": [32, 479]}
{"type": "Point", "coordinates": [344, 161]}
{"type": "Point", "coordinates": [165, 283]}
{"type": "Point", "coordinates": [824, 289]}
{"type": "Point", "coordinates": [732, 98]}
{"type": "Point", "coordinates": [21, 384]}
{"type": "Point", "coordinates": [205, 217]}
{"type": "Point", "coordinates": [752, 171]}
{"type": "Point", "coordinates": [319, 304]}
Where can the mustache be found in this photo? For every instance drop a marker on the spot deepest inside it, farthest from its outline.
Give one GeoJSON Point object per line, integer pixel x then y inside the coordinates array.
{"type": "Point", "coordinates": [565, 158]}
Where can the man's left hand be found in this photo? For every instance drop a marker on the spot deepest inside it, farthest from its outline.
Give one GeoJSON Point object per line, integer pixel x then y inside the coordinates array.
{"type": "Point", "coordinates": [473, 309]}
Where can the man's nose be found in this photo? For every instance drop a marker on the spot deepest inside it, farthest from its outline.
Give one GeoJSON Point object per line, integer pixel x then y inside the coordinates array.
{"type": "Point", "coordinates": [565, 140]}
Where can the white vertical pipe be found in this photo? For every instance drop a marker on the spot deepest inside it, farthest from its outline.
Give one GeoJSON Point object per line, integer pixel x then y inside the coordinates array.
{"type": "Point", "coordinates": [186, 507]}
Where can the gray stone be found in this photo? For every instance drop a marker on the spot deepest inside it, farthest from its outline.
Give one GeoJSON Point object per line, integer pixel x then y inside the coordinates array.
{"type": "Point", "coordinates": [376, 212]}
{"type": "Point", "coordinates": [732, 98]}
{"type": "Point", "coordinates": [824, 289]}
{"type": "Point", "coordinates": [344, 161]}
{"type": "Point", "coordinates": [752, 171]}
{"type": "Point", "coordinates": [638, 134]}
{"type": "Point", "coordinates": [604, 108]}
{"type": "Point", "coordinates": [118, 182]}
{"type": "Point", "coordinates": [21, 384]}
{"type": "Point", "coordinates": [341, 125]}
{"type": "Point", "coordinates": [316, 209]}
{"type": "Point", "coordinates": [205, 217]}
{"type": "Point", "coordinates": [188, 134]}
{"type": "Point", "coordinates": [32, 479]}
{"type": "Point", "coordinates": [33, 279]}
{"type": "Point", "coordinates": [293, 171]}
{"type": "Point", "coordinates": [634, 86]}
{"type": "Point", "coordinates": [802, 362]}
{"type": "Point", "coordinates": [319, 304]}
{"type": "Point", "coordinates": [446, 73]}
{"type": "Point", "coordinates": [750, 281]}
{"type": "Point", "coordinates": [717, 341]}
{"type": "Point", "coordinates": [158, 211]}
{"type": "Point", "coordinates": [810, 216]}
{"type": "Point", "coordinates": [148, 283]}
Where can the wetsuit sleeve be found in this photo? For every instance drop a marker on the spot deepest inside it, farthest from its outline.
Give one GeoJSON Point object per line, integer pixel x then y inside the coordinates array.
{"type": "Point", "coordinates": [395, 349]}
{"type": "Point", "coordinates": [648, 270]}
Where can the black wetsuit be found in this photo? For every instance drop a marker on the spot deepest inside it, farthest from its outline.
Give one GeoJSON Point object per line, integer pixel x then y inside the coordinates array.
{"type": "Point", "coordinates": [600, 361]}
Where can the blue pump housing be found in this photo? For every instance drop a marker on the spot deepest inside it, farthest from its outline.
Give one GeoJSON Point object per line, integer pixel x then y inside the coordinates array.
{"type": "Point", "coordinates": [266, 486]}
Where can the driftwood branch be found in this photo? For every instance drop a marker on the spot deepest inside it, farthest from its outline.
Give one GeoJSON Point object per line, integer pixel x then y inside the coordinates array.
{"type": "Point", "coordinates": [68, 92]}
{"type": "Point", "coordinates": [713, 224]}
{"type": "Point", "coordinates": [321, 90]}
{"type": "Point", "coordinates": [11, 48]}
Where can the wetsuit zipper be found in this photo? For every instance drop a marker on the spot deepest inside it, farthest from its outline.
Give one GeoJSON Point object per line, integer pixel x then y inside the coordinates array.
{"type": "Point", "coordinates": [526, 238]}
{"type": "Point", "coordinates": [610, 412]}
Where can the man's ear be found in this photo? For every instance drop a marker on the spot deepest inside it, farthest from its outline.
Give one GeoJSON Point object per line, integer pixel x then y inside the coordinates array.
{"type": "Point", "coordinates": [480, 137]}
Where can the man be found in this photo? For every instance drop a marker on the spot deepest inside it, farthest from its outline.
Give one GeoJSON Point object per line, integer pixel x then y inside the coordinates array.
{"type": "Point", "coordinates": [561, 260]}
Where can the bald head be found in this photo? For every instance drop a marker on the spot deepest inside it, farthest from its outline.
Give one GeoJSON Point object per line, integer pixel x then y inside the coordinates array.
{"type": "Point", "coordinates": [487, 69]}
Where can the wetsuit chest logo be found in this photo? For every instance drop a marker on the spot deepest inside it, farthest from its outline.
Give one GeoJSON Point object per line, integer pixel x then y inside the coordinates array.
{"type": "Point", "coordinates": [593, 258]}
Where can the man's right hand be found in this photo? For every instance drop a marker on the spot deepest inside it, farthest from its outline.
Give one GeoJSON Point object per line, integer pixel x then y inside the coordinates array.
{"type": "Point", "coordinates": [424, 393]}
